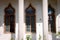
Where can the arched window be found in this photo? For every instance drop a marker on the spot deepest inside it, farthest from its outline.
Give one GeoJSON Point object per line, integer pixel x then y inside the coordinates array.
{"type": "Point", "coordinates": [51, 19]}
{"type": "Point", "coordinates": [9, 19]}
{"type": "Point", "coordinates": [30, 19]}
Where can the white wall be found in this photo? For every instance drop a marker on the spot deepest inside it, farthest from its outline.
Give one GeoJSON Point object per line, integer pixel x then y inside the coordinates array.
{"type": "Point", "coordinates": [3, 5]}
{"type": "Point", "coordinates": [37, 4]}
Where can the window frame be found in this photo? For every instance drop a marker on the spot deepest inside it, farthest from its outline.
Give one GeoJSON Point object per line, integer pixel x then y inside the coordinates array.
{"type": "Point", "coordinates": [52, 15]}
{"type": "Point", "coordinates": [30, 23]}
{"type": "Point", "coordinates": [33, 14]}
{"type": "Point", "coordinates": [9, 18]}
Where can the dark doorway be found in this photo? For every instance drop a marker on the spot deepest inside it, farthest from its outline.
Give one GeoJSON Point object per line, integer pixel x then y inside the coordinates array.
{"type": "Point", "coordinates": [51, 19]}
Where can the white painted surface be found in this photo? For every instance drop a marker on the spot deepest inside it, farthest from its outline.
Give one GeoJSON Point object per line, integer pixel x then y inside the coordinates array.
{"type": "Point", "coordinates": [40, 14]}
{"type": "Point", "coordinates": [5, 36]}
{"type": "Point", "coordinates": [37, 4]}
{"type": "Point", "coordinates": [21, 31]}
{"type": "Point", "coordinates": [39, 27]}
{"type": "Point", "coordinates": [45, 19]}
{"type": "Point", "coordinates": [1, 30]}
{"type": "Point", "coordinates": [3, 5]}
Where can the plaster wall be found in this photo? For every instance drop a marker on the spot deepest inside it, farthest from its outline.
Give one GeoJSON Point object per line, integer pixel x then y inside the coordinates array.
{"type": "Point", "coordinates": [37, 4]}
{"type": "Point", "coordinates": [3, 5]}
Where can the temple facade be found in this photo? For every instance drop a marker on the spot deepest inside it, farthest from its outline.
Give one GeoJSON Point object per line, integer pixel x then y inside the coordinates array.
{"type": "Point", "coordinates": [29, 19]}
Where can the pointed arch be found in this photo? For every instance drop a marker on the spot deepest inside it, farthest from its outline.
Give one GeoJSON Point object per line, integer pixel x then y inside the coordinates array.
{"type": "Point", "coordinates": [9, 19]}
{"type": "Point", "coordinates": [51, 18]}
{"type": "Point", "coordinates": [30, 19]}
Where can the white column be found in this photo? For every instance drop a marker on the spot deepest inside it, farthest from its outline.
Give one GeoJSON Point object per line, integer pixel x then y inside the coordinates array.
{"type": "Point", "coordinates": [21, 21]}
{"type": "Point", "coordinates": [45, 19]}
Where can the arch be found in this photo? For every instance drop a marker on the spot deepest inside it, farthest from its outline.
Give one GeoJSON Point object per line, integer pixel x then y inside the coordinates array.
{"type": "Point", "coordinates": [30, 19]}
{"type": "Point", "coordinates": [30, 10]}
{"type": "Point", "coordinates": [51, 18]}
{"type": "Point", "coordinates": [9, 19]}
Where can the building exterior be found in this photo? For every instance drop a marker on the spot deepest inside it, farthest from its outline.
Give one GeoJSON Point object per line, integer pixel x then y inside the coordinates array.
{"type": "Point", "coordinates": [29, 19]}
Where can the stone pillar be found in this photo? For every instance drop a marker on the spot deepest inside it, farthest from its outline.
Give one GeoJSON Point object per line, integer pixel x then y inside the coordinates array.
{"type": "Point", "coordinates": [21, 25]}
{"type": "Point", "coordinates": [45, 19]}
